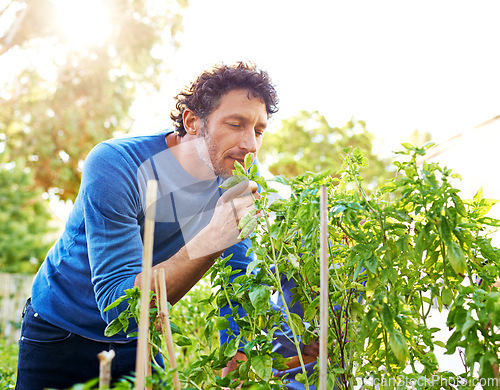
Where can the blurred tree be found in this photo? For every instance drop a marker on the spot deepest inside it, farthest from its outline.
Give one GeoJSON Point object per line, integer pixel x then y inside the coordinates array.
{"type": "Point", "coordinates": [70, 72]}
{"type": "Point", "coordinates": [306, 142]}
{"type": "Point", "coordinates": [23, 221]}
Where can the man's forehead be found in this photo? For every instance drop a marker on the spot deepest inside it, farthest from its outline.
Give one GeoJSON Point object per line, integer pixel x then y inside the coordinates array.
{"type": "Point", "coordinates": [239, 99]}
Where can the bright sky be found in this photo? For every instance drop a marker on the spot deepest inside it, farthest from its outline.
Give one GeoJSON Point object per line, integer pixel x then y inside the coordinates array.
{"type": "Point", "coordinates": [397, 65]}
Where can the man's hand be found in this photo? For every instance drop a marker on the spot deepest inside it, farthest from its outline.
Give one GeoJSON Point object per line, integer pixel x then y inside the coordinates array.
{"type": "Point", "coordinates": [222, 232]}
{"type": "Point", "coordinates": [231, 207]}
{"type": "Point", "coordinates": [191, 262]}
{"type": "Point", "coordinates": [232, 364]}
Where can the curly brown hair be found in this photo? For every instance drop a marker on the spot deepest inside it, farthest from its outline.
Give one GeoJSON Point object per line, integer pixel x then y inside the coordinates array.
{"type": "Point", "coordinates": [204, 94]}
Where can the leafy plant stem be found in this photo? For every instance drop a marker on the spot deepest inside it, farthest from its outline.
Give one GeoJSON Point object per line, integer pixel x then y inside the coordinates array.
{"type": "Point", "coordinates": [285, 305]}
{"type": "Point", "coordinates": [424, 315]}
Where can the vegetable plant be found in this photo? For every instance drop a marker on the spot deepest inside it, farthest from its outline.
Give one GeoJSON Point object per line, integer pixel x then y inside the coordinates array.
{"type": "Point", "coordinates": [394, 253]}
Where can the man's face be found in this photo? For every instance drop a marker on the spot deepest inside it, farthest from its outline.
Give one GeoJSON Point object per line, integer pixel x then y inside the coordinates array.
{"type": "Point", "coordinates": [234, 129]}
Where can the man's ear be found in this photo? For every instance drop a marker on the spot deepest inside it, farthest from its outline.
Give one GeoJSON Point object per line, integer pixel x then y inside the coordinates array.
{"type": "Point", "coordinates": [191, 122]}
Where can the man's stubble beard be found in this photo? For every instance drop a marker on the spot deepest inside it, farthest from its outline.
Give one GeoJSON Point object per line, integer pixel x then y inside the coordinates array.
{"type": "Point", "coordinates": [208, 155]}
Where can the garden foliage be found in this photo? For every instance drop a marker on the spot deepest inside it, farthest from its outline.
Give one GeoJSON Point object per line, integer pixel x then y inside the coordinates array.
{"type": "Point", "coordinates": [412, 244]}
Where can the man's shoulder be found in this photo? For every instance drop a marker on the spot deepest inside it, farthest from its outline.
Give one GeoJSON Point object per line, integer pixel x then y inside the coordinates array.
{"type": "Point", "coordinates": [155, 141]}
{"type": "Point", "coordinates": [124, 153]}
{"type": "Point", "coordinates": [136, 148]}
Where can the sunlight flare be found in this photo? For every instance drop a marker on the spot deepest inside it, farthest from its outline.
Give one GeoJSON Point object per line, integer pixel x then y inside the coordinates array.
{"type": "Point", "coordinates": [84, 23]}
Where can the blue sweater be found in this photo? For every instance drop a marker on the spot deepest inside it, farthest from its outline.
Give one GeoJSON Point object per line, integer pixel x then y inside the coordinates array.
{"type": "Point", "coordinates": [99, 253]}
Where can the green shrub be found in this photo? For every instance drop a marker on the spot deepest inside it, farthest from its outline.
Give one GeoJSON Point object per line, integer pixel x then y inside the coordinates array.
{"type": "Point", "coordinates": [8, 364]}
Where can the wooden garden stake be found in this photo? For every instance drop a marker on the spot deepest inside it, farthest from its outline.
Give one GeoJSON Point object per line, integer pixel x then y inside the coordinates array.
{"type": "Point", "coordinates": [105, 358]}
{"type": "Point", "coordinates": [143, 361]}
{"type": "Point", "coordinates": [324, 296]}
{"type": "Point", "coordinates": [163, 314]}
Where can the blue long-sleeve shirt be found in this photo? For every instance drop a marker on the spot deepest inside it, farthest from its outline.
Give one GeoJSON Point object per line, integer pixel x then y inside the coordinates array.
{"type": "Point", "coordinates": [99, 253]}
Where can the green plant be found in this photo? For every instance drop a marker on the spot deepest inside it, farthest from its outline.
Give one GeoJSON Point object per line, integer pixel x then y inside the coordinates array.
{"type": "Point", "coordinates": [8, 359]}
{"type": "Point", "coordinates": [389, 261]}
{"type": "Point", "coordinates": [24, 217]}
{"type": "Point", "coordinates": [392, 254]}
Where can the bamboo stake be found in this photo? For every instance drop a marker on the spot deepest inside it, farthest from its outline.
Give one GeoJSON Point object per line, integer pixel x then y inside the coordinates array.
{"type": "Point", "coordinates": [163, 314]}
{"type": "Point", "coordinates": [105, 358]}
{"type": "Point", "coordinates": [142, 359]}
{"type": "Point", "coordinates": [323, 324]}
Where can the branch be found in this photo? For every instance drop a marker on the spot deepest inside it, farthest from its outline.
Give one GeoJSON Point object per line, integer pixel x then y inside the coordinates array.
{"type": "Point", "coordinates": [7, 42]}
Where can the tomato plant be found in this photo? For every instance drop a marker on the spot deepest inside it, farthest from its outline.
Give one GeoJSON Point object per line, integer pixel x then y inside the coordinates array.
{"type": "Point", "coordinates": [393, 253]}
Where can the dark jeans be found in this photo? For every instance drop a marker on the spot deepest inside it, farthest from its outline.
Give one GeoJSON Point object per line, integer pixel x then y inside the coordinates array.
{"type": "Point", "coordinates": [52, 357]}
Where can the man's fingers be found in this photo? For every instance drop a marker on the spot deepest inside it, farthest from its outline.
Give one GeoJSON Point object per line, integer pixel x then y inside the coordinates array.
{"type": "Point", "coordinates": [243, 188]}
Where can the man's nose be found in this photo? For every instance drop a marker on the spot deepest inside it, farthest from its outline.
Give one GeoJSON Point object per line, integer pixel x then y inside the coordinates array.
{"type": "Point", "coordinates": [248, 141]}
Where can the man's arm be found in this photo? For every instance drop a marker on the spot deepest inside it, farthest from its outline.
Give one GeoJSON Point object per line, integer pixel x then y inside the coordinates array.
{"type": "Point", "coordinates": [111, 204]}
{"type": "Point", "coordinates": [191, 262]}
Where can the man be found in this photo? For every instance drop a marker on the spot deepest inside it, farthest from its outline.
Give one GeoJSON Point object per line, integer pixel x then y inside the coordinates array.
{"type": "Point", "coordinates": [219, 119]}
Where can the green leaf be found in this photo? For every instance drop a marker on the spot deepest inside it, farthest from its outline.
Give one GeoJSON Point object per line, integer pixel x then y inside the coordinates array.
{"type": "Point", "coordinates": [486, 370]}
{"type": "Point", "coordinates": [446, 296]}
{"type": "Point", "coordinates": [197, 375]}
{"type": "Point", "coordinates": [294, 260]}
{"type": "Point", "coordinates": [113, 327]}
{"type": "Point", "coordinates": [174, 328]}
{"type": "Point", "coordinates": [372, 264]}
{"type": "Point", "coordinates": [253, 170]}
{"type": "Point", "coordinates": [468, 324]}
{"type": "Point", "coordinates": [337, 209]}
{"type": "Point", "coordinates": [255, 263]}
{"type": "Point", "coordinates": [116, 302]}
{"type": "Point", "coordinates": [259, 296]}
{"type": "Point", "coordinates": [444, 230]}
{"type": "Point", "coordinates": [281, 180]}
{"type": "Point", "coordinates": [420, 245]}
{"type": "Point", "coordinates": [243, 369]}
{"type": "Point", "coordinates": [312, 309]}
{"type": "Point", "coordinates": [232, 181]}
{"type": "Point", "coordinates": [226, 381]}
{"type": "Point", "coordinates": [239, 170]}
{"type": "Point", "coordinates": [387, 318]}
{"type": "Point", "coordinates": [246, 218]}
{"type": "Point", "coordinates": [263, 364]}
{"type": "Point", "coordinates": [399, 346]}
{"type": "Point", "coordinates": [296, 324]}
{"type": "Point", "coordinates": [371, 285]}
{"type": "Point", "coordinates": [232, 348]}
{"type": "Point", "coordinates": [457, 258]}
{"type": "Point", "coordinates": [478, 196]}
{"type": "Point", "coordinates": [249, 226]}
{"type": "Point", "coordinates": [321, 175]}
{"type": "Point", "coordinates": [489, 221]}
{"type": "Point", "coordinates": [183, 341]}
{"type": "Point", "coordinates": [221, 323]}
{"type": "Point", "coordinates": [248, 161]}
{"type": "Point", "coordinates": [459, 205]}
{"type": "Point", "coordinates": [301, 378]}
{"type": "Point", "coordinates": [452, 342]}
{"type": "Point", "coordinates": [355, 309]}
